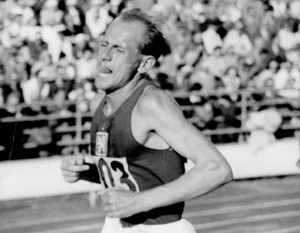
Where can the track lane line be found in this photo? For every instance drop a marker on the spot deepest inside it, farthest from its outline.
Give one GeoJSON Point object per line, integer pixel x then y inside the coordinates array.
{"type": "Point", "coordinates": [74, 229]}
{"type": "Point", "coordinates": [295, 229]}
{"type": "Point", "coordinates": [252, 219]}
{"type": "Point", "coordinates": [244, 208]}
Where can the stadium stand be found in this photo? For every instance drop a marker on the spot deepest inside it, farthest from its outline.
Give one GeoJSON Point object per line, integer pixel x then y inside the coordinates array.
{"type": "Point", "coordinates": [231, 60]}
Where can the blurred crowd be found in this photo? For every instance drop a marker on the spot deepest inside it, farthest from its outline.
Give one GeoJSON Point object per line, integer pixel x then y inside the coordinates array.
{"type": "Point", "coordinates": [48, 47]}
{"type": "Point", "coordinates": [48, 50]}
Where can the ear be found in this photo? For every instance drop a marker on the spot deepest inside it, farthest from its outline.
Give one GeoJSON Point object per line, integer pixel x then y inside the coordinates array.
{"type": "Point", "coordinates": [147, 64]}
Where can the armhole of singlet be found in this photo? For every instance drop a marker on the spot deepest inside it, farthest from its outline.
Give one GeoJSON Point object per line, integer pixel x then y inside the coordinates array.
{"type": "Point", "coordinates": [145, 148]}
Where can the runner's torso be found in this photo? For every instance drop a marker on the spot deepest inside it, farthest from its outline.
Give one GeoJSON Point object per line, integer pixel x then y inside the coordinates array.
{"type": "Point", "coordinates": [127, 163]}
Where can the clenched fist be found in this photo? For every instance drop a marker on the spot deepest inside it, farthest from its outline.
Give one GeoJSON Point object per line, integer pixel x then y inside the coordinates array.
{"type": "Point", "coordinates": [72, 166]}
{"type": "Point", "coordinates": [120, 203]}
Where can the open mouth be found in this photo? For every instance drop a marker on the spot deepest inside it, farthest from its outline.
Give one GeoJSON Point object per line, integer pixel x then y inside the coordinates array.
{"type": "Point", "coordinates": [105, 70]}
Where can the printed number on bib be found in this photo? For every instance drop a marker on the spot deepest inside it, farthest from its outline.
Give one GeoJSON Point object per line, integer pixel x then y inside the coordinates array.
{"type": "Point", "coordinates": [114, 172]}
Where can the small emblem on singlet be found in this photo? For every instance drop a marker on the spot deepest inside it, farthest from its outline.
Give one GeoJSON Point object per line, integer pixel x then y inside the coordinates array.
{"type": "Point", "coordinates": [101, 144]}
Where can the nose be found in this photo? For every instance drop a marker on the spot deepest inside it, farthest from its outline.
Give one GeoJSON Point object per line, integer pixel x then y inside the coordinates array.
{"type": "Point", "coordinates": [106, 54]}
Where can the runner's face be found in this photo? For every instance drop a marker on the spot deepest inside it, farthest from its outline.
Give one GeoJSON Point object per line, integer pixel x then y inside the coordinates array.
{"type": "Point", "coordinates": [119, 56]}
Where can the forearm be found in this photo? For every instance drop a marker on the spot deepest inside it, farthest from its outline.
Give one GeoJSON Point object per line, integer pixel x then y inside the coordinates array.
{"type": "Point", "coordinates": [198, 181]}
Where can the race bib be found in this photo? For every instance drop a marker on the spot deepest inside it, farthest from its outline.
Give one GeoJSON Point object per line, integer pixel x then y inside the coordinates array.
{"type": "Point", "coordinates": [114, 172]}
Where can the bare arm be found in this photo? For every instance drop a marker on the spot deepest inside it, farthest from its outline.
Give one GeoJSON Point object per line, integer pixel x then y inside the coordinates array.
{"type": "Point", "coordinates": [211, 170]}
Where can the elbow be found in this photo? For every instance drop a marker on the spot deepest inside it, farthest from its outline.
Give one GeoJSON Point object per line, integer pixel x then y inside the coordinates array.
{"type": "Point", "coordinates": [225, 172]}
{"type": "Point", "coordinates": [221, 171]}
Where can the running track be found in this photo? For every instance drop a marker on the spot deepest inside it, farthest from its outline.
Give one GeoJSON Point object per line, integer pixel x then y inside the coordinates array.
{"type": "Point", "coordinates": [269, 205]}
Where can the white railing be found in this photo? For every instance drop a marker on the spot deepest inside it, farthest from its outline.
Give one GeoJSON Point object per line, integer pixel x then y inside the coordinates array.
{"type": "Point", "coordinates": [81, 121]}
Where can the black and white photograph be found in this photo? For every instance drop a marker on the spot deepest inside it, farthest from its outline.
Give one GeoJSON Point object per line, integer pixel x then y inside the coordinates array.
{"type": "Point", "coordinates": [149, 116]}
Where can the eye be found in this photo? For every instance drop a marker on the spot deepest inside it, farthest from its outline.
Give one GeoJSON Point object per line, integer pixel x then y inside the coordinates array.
{"type": "Point", "coordinates": [103, 44]}
{"type": "Point", "coordinates": [119, 49]}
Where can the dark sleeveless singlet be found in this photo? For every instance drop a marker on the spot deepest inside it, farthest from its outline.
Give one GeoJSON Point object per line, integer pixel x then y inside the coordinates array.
{"type": "Point", "coordinates": [149, 167]}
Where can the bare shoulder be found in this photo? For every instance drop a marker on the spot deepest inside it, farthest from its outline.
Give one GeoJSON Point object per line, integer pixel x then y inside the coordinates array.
{"type": "Point", "coordinates": [155, 104]}
{"type": "Point", "coordinates": [155, 99]}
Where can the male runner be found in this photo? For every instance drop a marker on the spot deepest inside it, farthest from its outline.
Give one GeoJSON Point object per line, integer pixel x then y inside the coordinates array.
{"type": "Point", "coordinates": [140, 138]}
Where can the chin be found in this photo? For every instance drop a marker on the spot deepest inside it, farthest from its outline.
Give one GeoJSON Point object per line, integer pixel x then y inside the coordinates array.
{"type": "Point", "coordinates": [102, 84]}
{"type": "Point", "coordinates": [104, 87]}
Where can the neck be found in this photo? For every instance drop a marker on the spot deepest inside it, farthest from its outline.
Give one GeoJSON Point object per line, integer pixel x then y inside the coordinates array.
{"type": "Point", "coordinates": [116, 98]}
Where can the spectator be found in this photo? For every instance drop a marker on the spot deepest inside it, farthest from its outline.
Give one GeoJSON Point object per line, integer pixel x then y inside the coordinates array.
{"type": "Point", "coordinates": [204, 115]}
{"type": "Point", "coordinates": [50, 14]}
{"type": "Point", "coordinates": [202, 78]}
{"type": "Point", "coordinates": [12, 108]}
{"type": "Point", "coordinates": [67, 72]}
{"type": "Point", "coordinates": [97, 17]}
{"type": "Point", "coordinates": [232, 82]}
{"type": "Point", "coordinates": [238, 40]}
{"type": "Point", "coordinates": [279, 8]}
{"type": "Point", "coordinates": [211, 39]}
{"type": "Point", "coordinates": [214, 63]}
{"type": "Point", "coordinates": [46, 47]}
{"type": "Point", "coordinates": [31, 89]}
{"type": "Point", "coordinates": [85, 65]}
{"type": "Point", "coordinates": [263, 124]}
{"type": "Point", "coordinates": [73, 18]}
{"type": "Point", "coordinates": [263, 79]}
{"type": "Point", "coordinates": [283, 76]}
{"type": "Point", "coordinates": [294, 9]}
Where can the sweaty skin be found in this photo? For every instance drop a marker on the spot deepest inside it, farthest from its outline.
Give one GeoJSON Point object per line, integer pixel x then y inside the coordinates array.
{"type": "Point", "coordinates": [157, 123]}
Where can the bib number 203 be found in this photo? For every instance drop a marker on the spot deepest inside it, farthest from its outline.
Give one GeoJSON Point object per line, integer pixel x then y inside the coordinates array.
{"type": "Point", "coordinates": [114, 172]}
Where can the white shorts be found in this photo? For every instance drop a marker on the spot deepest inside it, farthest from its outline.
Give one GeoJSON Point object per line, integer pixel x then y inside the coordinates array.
{"type": "Point", "coordinates": [113, 225]}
